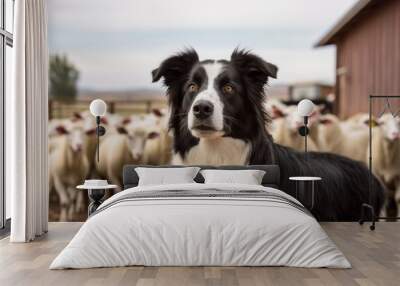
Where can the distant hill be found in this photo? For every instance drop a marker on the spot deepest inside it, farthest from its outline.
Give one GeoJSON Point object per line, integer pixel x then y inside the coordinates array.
{"type": "Point", "coordinates": [123, 95]}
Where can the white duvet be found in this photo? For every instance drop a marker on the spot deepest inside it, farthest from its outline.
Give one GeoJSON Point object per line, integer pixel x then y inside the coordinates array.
{"type": "Point", "coordinates": [204, 231]}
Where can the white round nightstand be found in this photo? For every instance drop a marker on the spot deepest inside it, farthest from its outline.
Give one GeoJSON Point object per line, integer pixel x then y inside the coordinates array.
{"type": "Point", "coordinates": [302, 186]}
{"type": "Point", "coordinates": [96, 195]}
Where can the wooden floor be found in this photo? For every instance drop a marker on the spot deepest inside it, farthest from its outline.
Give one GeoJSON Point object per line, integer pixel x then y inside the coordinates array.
{"type": "Point", "coordinates": [375, 257]}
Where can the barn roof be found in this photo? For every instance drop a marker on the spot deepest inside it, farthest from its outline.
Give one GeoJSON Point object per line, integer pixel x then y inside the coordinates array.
{"type": "Point", "coordinates": [345, 21]}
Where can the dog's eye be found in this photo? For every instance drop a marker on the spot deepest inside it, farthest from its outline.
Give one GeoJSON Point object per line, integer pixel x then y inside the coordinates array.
{"type": "Point", "coordinates": [193, 87]}
{"type": "Point", "coordinates": [227, 88]}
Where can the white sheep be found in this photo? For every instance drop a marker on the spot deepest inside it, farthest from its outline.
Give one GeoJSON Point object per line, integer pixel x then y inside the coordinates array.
{"type": "Point", "coordinates": [68, 167]}
{"type": "Point", "coordinates": [348, 139]}
{"type": "Point", "coordinates": [386, 158]}
{"type": "Point", "coordinates": [87, 122]}
{"type": "Point", "coordinates": [285, 129]}
{"type": "Point", "coordinates": [330, 134]}
{"type": "Point", "coordinates": [158, 147]}
{"type": "Point", "coordinates": [119, 149]}
{"type": "Point", "coordinates": [157, 150]}
{"type": "Point", "coordinates": [277, 112]}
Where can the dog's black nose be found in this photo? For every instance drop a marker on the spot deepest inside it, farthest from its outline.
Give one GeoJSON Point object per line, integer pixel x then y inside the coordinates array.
{"type": "Point", "coordinates": [203, 109]}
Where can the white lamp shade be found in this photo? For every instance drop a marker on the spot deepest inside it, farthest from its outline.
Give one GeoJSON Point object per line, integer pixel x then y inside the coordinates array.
{"type": "Point", "coordinates": [305, 107]}
{"type": "Point", "coordinates": [98, 107]}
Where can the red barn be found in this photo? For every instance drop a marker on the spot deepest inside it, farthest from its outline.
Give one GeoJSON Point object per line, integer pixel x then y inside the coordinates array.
{"type": "Point", "coordinates": [367, 40]}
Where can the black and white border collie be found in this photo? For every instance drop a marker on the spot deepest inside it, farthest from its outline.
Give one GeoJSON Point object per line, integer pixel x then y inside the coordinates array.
{"type": "Point", "coordinates": [217, 117]}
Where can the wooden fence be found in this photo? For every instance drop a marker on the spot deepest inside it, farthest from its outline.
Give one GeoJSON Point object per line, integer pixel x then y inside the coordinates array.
{"type": "Point", "coordinates": [63, 109]}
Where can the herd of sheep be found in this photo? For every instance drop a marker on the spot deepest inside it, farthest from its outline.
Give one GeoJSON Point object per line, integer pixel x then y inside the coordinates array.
{"type": "Point", "coordinates": [144, 139]}
{"type": "Point", "coordinates": [349, 138]}
{"type": "Point", "coordinates": [135, 139]}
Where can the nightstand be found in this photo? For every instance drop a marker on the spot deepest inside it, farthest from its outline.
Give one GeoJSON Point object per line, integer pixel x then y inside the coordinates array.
{"type": "Point", "coordinates": [305, 190]}
{"type": "Point", "coordinates": [96, 195]}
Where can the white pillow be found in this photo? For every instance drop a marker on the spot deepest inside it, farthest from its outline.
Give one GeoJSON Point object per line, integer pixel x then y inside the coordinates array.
{"type": "Point", "coordinates": [164, 176]}
{"type": "Point", "coordinates": [248, 177]}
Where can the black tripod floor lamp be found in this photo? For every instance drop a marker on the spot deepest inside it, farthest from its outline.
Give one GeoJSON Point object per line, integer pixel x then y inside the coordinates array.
{"type": "Point", "coordinates": [368, 207]}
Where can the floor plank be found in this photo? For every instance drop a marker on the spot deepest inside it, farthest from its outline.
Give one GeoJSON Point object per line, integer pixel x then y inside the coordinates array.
{"type": "Point", "coordinates": [375, 257]}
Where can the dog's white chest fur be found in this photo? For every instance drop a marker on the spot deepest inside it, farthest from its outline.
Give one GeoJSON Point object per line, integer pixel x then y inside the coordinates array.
{"type": "Point", "coordinates": [219, 151]}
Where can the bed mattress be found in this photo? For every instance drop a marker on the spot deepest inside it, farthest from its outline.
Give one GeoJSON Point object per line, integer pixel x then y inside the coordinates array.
{"type": "Point", "coordinates": [201, 225]}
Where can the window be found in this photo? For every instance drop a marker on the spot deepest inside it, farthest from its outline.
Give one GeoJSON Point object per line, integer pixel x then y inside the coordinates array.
{"type": "Point", "coordinates": [6, 43]}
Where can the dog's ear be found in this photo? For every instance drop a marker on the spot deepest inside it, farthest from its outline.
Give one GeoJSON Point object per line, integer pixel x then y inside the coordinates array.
{"type": "Point", "coordinates": [253, 67]}
{"type": "Point", "coordinates": [175, 67]}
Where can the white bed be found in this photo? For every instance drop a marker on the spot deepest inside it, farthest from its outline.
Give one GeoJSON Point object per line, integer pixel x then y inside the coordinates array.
{"type": "Point", "coordinates": [269, 228]}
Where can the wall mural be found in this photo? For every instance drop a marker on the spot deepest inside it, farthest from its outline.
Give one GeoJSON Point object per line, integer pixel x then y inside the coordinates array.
{"type": "Point", "coordinates": [167, 104]}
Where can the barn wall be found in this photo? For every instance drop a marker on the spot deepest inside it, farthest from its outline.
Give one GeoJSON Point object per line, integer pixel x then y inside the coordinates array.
{"type": "Point", "coordinates": [370, 53]}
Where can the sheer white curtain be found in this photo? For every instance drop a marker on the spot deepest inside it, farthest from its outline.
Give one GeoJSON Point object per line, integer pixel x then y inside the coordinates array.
{"type": "Point", "coordinates": [26, 123]}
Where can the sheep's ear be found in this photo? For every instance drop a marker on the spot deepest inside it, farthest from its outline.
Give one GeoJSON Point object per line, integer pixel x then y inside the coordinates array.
{"type": "Point", "coordinates": [103, 120]}
{"type": "Point", "coordinates": [77, 116]}
{"type": "Point", "coordinates": [61, 130]}
{"type": "Point", "coordinates": [122, 130]}
{"type": "Point", "coordinates": [325, 121]}
{"type": "Point", "coordinates": [126, 121]}
{"type": "Point", "coordinates": [374, 122]}
{"type": "Point", "coordinates": [253, 67]}
{"type": "Point", "coordinates": [176, 67]}
{"type": "Point", "coordinates": [153, 135]}
{"type": "Point", "coordinates": [157, 112]}
{"type": "Point", "coordinates": [91, 131]}
{"type": "Point", "coordinates": [276, 112]}
{"type": "Point", "coordinates": [322, 108]}
{"type": "Point", "coordinates": [315, 113]}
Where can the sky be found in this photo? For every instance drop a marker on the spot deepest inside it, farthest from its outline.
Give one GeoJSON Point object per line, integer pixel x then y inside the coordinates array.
{"type": "Point", "coordinates": [116, 43]}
